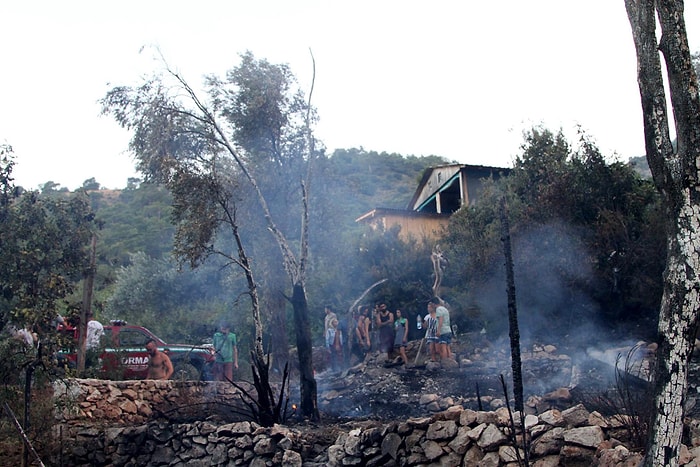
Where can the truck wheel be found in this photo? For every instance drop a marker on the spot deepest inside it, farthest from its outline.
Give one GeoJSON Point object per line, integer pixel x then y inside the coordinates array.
{"type": "Point", "coordinates": [185, 371]}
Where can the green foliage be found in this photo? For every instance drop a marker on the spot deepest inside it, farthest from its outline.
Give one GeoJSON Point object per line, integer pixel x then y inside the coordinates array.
{"type": "Point", "coordinates": [586, 238]}
{"type": "Point", "coordinates": [43, 256]}
{"type": "Point", "coordinates": [178, 306]}
{"type": "Point", "coordinates": [136, 219]}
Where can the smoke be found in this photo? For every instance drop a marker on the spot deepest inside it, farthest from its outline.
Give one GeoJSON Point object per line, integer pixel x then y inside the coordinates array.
{"type": "Point", "coordinates": [553, 277]}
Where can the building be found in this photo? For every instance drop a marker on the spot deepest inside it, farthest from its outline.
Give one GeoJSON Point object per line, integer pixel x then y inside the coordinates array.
{"type": "Point", "coordinates": [442, 191]}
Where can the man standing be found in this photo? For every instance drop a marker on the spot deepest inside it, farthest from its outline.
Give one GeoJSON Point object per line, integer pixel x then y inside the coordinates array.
{"type": "Point", "coordinates": [226, 349]}
{"type": "Point", "coordinates": [95, 331]}
{"type": "Point", "coordinates": [330, 316]}
{"type": "Point", "coordinates": [159, 364]}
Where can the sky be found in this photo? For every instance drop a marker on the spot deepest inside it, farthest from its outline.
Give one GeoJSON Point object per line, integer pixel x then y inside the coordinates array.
{"type": "Point", "coordinates": [456, 79]}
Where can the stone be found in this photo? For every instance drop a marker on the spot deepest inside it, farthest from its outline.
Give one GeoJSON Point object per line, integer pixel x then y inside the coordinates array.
{"type": "Point", "coordinates": [571, 454]}
{"type": "Point", "coordinates": [595, 418]}
{"type": "Point", "coordinates": [473, 456]}
{"type": "Point", "coordinates": [558, 395]}
{"type": "Point", "coordinates": [461, 442]}
{"type": "Point", "coordinates": [264, 447]}
{"type": "Point", "coordinates": [552, 417]}
{"type": "Point", "coordinates": [432, 450]}
{"type": "Point", "coordinates": [426, 399]}
{"type": "Point", "coordinates": [353, 445]}
{"type": "Point", "coordinates": [491, 459]}
{"type": "Point", "coordinates": [575, 416]}
{"type": "Point", "coordinates": [441, 430]}
{"type": "Point", "coordinates": [530, 421]}
{"type": "Point", "coordinates": [467, 417]}
{"type": "Point", "coordinates": [487, 417]}
{"type": "Point", "coordinates": [336, 454]}
{"type": "Point", "coordinates": [390, 445]}
{"type": "Point", "coordinates": [547, 461]}
{"type": "Point", "coordinates": [586, 436]}
{"type": "Point", "coordinates": [291, 459]}
{"type": "Point", "coordinates": [475, 432]}
{"type": "Point", "coordinates": [550, 442]}
{"type": "Point", "coordinates": [491, 438]}
{"type": "Point", "coordinates": [509, 454]}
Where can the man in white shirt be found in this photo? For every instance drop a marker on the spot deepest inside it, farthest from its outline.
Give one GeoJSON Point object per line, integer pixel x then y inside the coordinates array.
{"type": "Point", "coordinates": [95, 331]}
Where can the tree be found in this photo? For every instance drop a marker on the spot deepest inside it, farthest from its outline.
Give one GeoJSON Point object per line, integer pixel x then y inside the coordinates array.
{"type": "Point", "coordinates": [179, 141]}
{"type": "Point", "coordinates": [676, 175]}
{"type": "Point", "coordinates": [42, 258]}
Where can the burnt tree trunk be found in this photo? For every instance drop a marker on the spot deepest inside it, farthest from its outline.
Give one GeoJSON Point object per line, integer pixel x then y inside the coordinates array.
{"type": "Point", "coordinates": [676, 175]}
{"type": "Point", "coordinates": [513, 328]}
{"type": "Point", "coordinates": [307, 382]}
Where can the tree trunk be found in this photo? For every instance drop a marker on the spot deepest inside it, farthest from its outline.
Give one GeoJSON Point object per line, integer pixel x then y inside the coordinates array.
{"type": "Point", "coordinates": [307, 381]}
{"type": "Point", "coordinates": [676, 176]}
{"type": "Point", "coordinates": [86, 309]}
{"type": "Point", "coordinates": [513, 328]}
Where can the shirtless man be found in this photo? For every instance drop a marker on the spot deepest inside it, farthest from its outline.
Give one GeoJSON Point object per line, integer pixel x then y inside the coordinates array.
{"type": "Point", "coordinates": [159, 365]}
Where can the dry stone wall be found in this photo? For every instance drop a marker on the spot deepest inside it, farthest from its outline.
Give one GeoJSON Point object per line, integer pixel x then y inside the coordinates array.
{"type": "Point", "coordinates": [117, 423]}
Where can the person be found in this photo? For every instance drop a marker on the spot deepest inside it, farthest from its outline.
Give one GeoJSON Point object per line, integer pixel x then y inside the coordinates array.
{"type": "Point", "coordinates": [401, 335]}
{"type": "Point", "coordinates": [226, 349]}
{"type": "Point", "coordinates": [444, 332]}
{"type": "Point", "coordinates": [330, 316]}
{"type": "Point", "coordinates": [362, 332]}
{"type": "Point", "coordinates": [342, 327]}
{"type": "Point", "coordinates": [26, 335]}
{"type": "Point", "coordinates": [94, 333]}
{"type": "Point", "coordinates": [334, 344]}
{"type": "Point", "coordinates": [385, 324]}
{"type": "Point", "coordinates": [159, 364]}
{"type": "Point", "coordinates": [431, 331]}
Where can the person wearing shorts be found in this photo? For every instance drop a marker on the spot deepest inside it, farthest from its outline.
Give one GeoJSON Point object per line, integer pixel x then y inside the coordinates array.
{"type": "Point", "coordinates": [444, 332]}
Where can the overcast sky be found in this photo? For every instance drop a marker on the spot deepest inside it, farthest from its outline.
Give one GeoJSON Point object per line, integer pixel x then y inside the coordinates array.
{"type": "Point", "coordinates": [450, 78]}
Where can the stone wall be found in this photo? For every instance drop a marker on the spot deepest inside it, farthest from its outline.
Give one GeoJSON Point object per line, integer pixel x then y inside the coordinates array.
{"type": "Point", "coordinates": [132, 402]}
{"type": "Point", "coordinates": [115, 423]}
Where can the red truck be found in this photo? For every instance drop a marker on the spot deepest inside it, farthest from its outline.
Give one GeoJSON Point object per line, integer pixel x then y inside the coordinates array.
{"type": "Point", "coordinates": [123, 355]}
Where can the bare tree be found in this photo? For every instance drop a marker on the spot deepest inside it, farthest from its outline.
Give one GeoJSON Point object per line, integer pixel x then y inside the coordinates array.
{"type": "Point", "coordinates": [676, 175]}
{"type": "Point", "coordinates": [172, 137]}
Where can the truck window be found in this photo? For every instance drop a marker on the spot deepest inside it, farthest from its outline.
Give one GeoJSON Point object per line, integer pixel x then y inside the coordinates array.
{"type": "Point", "coordinates": [132, 338]}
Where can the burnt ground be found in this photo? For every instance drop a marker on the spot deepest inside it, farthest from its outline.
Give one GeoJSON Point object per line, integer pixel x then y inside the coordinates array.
{"type": "Point", "coordinates": [374, 390]}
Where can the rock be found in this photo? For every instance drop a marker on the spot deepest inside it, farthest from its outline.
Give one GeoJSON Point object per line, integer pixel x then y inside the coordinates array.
{"type": "Point", "coordinates": [558, 395]}
{"type": "Point", "coordinates": [432, 450]}
{"type": "Point", "coordinates": [491, 459]}
{"type": "Point", "coordinates": [575, 416]}
{"type": "Point", "coordinates": [550, 442]}
{"type": "Point", "coordinates": [587, 436]}
{"type": "Point", "coordinates": [390, 445]}
{"type": "Point", "coordinates": [461, 441]}
{"type": "Point", "coordinates": [467, 417]}
{"type": "Point", "coordinates": [491, 438]}
{"type": "Point", "coordinates": [552, 417]}
{"type": "Point", "coordinates": [291, 459]}
{"type": "Point", "coordinates": [547, 461]}
{"type": "Point", "coordinates": [426, 399]}
{"type": "Point", "coordinates": [441, 430]}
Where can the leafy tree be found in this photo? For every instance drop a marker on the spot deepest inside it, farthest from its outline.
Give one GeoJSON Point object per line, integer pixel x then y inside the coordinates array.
{"type": "Point", "coordinates": [675, 174]}
{"type": "Point", "coordinates": [585, 235]}
{"type": "Point", "coordinates": [179, 306]}
{"type": "Point", "coordinates": [91, 184]}
{"type": "Point", "coordinates": [42, 258]}
{"type": "Point", "coordinates": [210, 145]}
